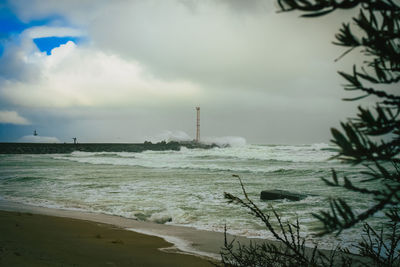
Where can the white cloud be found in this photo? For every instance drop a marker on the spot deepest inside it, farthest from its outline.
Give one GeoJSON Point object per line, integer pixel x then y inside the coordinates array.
{"type": "Point", "coordinates": [219, 44]}
{"type": "Point", "coordinates": [22, 60]}
{"type": "Point", "coordinates": [12, 117]}
{"type": "Point", "coordinates": [38, 139]}
{"type": "Point", "coordinates": [78, 10]}
{"type": "Point", "coordinates": [188, 49]}
{"type": "Point", "coordinates": [73, 76]}
{"type": "Point", "coordinates": [49, 31]}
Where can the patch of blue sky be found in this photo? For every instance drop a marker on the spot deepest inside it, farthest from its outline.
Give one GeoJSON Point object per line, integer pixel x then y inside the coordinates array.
{"type": "Point", "coordinates": [10, 24]}
{"type": "Point", "coordinates": [46, 44]}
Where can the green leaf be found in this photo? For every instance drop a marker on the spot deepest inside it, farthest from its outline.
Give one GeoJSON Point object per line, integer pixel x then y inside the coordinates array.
{"type": "Point", "coordinates": [317, 14]}
{"type": "Point", "coordinates": [350, 78]}
{"type": "Point", "coordinates": [334, 177]}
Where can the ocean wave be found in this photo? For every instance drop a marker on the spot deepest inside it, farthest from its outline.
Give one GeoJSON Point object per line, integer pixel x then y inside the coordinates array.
{"type": "Point", "coordinates": [83, 154]}
{"type": "Point", "coordinates": [190, 156]}
{"type": "Point", "coordinates": [247, 159]}
{"type": "Point", "coordinates": [231, 141]}
{"type": "Point", "coordinates": [267, 153]}
{"type": "Point", "coordinates": [177, 165]}
{"type": "Point", "coordinates": [21, 179]}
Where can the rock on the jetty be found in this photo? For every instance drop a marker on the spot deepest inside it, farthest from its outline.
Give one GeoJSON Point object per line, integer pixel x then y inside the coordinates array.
{"type": "Point", "coordinates": [280, 194]}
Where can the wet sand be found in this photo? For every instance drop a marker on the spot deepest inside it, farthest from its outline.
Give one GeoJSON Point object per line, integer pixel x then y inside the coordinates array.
{"type": "Point", "coordinates": [28, 239]}
{"type": "Point", "coordinates": [38, 236]}
{"type": "Point", "coordinates": [186, 239]}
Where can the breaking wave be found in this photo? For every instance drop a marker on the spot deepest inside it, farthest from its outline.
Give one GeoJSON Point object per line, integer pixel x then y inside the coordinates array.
{"type": "Point", "coordinates": [247, 158]}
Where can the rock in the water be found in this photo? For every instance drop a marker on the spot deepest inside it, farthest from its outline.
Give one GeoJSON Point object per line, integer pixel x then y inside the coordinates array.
{"type": "Point", "coordinates": [280, 194]}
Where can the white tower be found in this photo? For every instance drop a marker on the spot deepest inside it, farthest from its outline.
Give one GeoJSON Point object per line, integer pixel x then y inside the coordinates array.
{"type": "Point", "coordinates": [198, 125]}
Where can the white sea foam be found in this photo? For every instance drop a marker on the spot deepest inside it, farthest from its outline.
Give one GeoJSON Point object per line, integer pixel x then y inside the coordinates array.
{"type": "Point", "coordinates": [232, 141]}
{"type": "Point", "coordinates": [238, 158]}
{"type": "Point", "coordinates": [167, 135]}
{"type": "Point", "coordinates": [179, 243]}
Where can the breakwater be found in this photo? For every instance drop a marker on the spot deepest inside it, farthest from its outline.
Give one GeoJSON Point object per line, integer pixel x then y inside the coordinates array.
{"type": "Point", "coordinates": [61, 148]}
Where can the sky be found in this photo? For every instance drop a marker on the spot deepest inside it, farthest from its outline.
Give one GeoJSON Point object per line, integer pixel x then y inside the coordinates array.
{"type": "Point", "coordinates": [130, 71]}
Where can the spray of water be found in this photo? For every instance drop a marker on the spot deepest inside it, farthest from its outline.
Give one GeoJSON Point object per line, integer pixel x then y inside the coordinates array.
{"type": "Point", "coordinates": [233, 141]}
{"type": "Point", "coordinates": [168, 136]}
{"type": "Point", "coordinates": [181, 136]}
{"type": "Point", "coordinates": [38, 139]}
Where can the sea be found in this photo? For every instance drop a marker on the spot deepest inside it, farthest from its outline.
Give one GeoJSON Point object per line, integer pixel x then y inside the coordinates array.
{"type": "Point", "coordinates": [186, 187]}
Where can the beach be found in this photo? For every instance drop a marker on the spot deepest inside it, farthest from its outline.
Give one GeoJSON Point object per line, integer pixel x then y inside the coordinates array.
{"type": "Point", "coordinates": [36, 236]}
{"type": "Point", "coordinates": [40, 236]}
{"type": "Point", "coordinates": [29, 239]}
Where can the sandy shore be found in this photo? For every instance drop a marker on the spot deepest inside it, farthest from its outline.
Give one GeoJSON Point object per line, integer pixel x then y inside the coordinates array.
{"type": "Point", "coordinates": [185, 245]}
{"type": "Point", "coordinates": [28, 239]}
{"type": "Point", "coordinates": [38, 236]}
{"type": "Point", "coordinates": [189, 240]}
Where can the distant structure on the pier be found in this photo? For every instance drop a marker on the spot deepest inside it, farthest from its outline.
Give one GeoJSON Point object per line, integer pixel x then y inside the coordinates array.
{"type": "Point", "coordinates": [74, 138]}
{"type": "Point", "coordinates": [35, 133]}
{"type": "Point", "coordinates": [198, 125]}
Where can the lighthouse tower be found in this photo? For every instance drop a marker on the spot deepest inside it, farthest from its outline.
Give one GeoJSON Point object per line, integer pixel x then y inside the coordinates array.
{"type": "Point", "coordinates": [198, 125]}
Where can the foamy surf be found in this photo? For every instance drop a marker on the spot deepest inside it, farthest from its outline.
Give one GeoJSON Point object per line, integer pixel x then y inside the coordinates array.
{"type": "Point", "coordinates": [183, 188]}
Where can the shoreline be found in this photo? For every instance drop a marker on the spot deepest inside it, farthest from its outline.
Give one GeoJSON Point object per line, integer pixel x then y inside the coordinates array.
{"type": "Point", "coordinates": [202, 245]}
{"type": "Point", "coordinates": [184, 240]}
{"type": "Point", "coordinates": [29, 239]}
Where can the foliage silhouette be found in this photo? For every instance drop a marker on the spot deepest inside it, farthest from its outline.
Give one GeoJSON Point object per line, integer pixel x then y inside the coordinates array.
{"type": "Point", "coordinates": [371, 139]}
